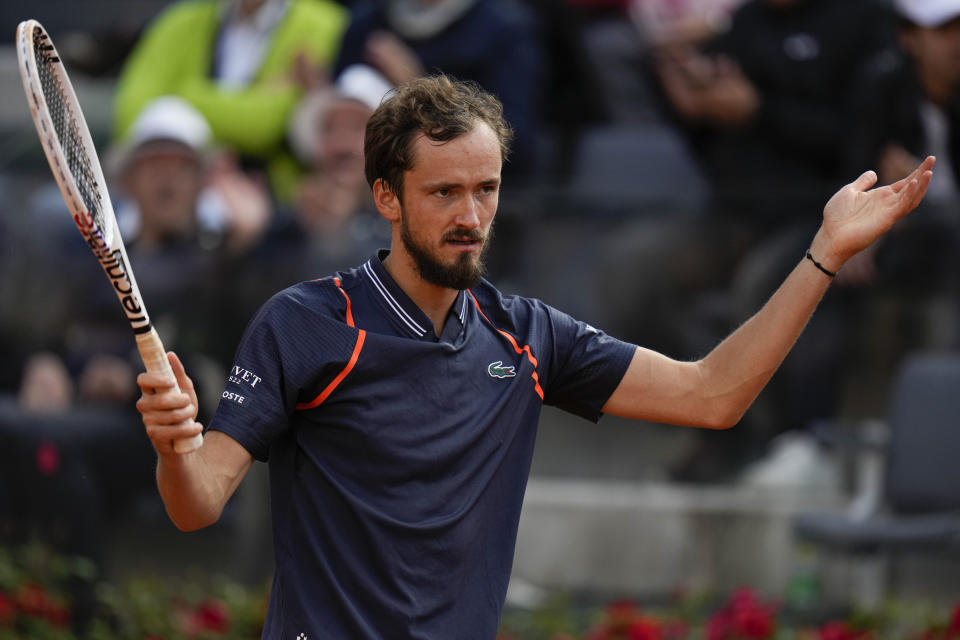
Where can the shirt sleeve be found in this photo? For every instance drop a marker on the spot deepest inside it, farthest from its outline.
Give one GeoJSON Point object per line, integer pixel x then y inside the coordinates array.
{"type": "Point", "coordinates": [585, 368]}
{"type": "Point", "coordinates": [287, 352]}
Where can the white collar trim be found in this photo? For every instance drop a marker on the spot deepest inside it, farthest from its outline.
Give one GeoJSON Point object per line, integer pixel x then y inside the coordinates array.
{"type": "Point", "coordinates": [392, 302]}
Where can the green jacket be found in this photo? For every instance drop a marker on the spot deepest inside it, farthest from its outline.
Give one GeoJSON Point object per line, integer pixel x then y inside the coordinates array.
{"type": "Point", "coordinates": [175, 57]}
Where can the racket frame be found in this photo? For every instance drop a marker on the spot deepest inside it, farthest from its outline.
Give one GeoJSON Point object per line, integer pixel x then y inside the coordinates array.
{"type": "Point", "coordinates": [101, 235]}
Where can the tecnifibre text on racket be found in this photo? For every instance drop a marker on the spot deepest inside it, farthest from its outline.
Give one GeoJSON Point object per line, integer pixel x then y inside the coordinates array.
{"type": "Point", "coordinates": [73, 159]}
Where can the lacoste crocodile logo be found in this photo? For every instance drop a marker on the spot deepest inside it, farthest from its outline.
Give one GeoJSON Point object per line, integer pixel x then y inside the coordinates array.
{"type": "Point", "coordinates": [497, 370]}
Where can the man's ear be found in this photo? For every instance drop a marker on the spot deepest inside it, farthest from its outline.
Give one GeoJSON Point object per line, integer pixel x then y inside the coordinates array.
{"type": "Point", "coordinates": [388, 204]}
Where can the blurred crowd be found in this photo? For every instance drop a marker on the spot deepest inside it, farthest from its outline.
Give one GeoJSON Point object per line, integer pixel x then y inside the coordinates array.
{"type": "Point", "coordinates": [672, 159]}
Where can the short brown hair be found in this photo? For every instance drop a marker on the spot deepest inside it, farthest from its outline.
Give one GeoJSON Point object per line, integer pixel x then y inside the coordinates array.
{"type": "Point", "coordinates": [439, 107]}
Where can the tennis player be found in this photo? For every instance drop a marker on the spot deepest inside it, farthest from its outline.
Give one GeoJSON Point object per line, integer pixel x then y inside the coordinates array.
{"type": "Point", "coordinates": [397, 402]}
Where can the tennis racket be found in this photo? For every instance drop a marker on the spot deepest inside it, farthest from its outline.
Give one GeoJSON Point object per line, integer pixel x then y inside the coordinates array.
{"type": "Point", "coordinates": [73, 159]}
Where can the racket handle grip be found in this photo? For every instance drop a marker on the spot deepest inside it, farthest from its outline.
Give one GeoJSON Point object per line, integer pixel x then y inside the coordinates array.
{"type": "Point", "coordinates": [155, 360]}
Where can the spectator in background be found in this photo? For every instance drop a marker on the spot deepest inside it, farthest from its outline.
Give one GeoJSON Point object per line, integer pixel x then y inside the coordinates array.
{"type": "Point", "coordinates": [244, 64]}
{"type": "Point", "coordinates": [766, 101]}
{"type": "Point", "coordinates": [176, 230]}
{"type": "Point", "coordinates": [70, 437]}
{"type": "Point", "coordinates": [907, 98]}
{"type": "Point", "coordinates": [332, 217]}
{"type": "Point", "coordinates": [327, 134]}
{"type": "Point", "coordinates": [571, 97]}
{"type": "Point", "coordinates": [764, 105]}
{"type": "Point", "coordinates": [671, 23]}
{"type": "Point", "coordinates": [492, 42]}
{"type": "Point", "coordinates": [620, 34]}
{"type": "Point", "coordinates": [922, 114]}
{"type": "Point", "coordinates": [911, 298]}
{"type": "Point", "coordinates": [189, 215]}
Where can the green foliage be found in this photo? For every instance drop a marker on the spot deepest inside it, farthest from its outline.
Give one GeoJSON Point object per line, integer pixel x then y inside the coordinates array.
{"type": "Point", "coordinates": [38, 588]}
{"type": "Point", "coordinates": [35, 603]}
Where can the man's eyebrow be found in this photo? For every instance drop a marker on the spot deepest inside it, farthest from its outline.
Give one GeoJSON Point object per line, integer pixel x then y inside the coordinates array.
{"type": "Point", "coordinates": [492, 181]}
{"type": "Point", "coordinates": [436, 186]}
{"type": "Point", "coordinates": [446, 184]}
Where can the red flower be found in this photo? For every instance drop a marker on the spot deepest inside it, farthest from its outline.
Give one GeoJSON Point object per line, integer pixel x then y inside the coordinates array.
{"type": "Point", "coordinates": [621, 613]}
{"type": "Point", "coordinates": [744, 616]}
{"type": "Point", "coordinates": [32, 599]}
{"type": "Point", "coordinates": [215, 615]}
{"type": "Point", "coordinates": [953, 628]}
{"type": "Point", "coordinates": [35, 601]}
{"type": "Point", "coordinates": [675, 630]}
{"type": "Point", "coordinates": [644, 629]}
{"type": "Point", "coordinates": [837, 630]}
{"type": "Point", "coordinates": [754, 623]}
{"type": "Point", "coordinates": [601, 632]}
{"type": "Point", "coordinates": [718, 626]}
{"type": "Point", "coordinates": [8, 611]}
{"type": "Point", "coordinates": [58, 613]}
{"type": "Point", "coordinates": [211, 616]}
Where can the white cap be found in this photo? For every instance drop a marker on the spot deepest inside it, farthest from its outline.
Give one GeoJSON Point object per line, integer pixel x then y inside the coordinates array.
{"type": "Point", "coordinates": [363, 83]}
{"type": "Point", "coordinates": [357, 82]}
{"type": "Point", "coordinates": [166, 118]}
{"type": "Point", "coordinates": [928, 13]}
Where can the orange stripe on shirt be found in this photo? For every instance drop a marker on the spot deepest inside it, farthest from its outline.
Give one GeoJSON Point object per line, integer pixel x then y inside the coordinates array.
{"type": "Point", "coordinates": [336, 381]}
{"type": "Point", "coordinates": [353, 359]}
{"type": "Point", "coordinates": [516, 347]}
{"type": "Point", "coordinates": [349, 306]}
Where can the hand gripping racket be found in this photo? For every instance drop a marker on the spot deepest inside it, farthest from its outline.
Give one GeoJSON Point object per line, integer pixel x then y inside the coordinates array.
{"type": "Point", "coordinates": [73, 159]}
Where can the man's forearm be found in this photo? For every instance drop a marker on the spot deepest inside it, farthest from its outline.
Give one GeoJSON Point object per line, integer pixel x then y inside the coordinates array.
{"type": "Point", "coordinates": [715, 392]}
{"type": "Point", "coordinates": [190, 493]}
{"type": "Point", "coordinates": [736, 371]}
{"type": "Point", "coordinates": [196, 486]}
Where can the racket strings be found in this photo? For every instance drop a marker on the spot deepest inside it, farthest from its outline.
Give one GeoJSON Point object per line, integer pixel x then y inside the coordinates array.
{"type": "Point", "coordinates": [65, 126]}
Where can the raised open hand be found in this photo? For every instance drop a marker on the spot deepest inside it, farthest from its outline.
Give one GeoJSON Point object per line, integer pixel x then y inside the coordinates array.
{"type": "Point", "coordinates": [858, 214]}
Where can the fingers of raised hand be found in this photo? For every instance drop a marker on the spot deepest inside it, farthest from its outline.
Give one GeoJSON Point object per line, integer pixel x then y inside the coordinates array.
{"type": "Point", "coordinates": [925, 166]}
{"type": "Point", "coordinates": [921, 183]}
{"type": "Point", "coordinates": [866, 180]}
{"type": "Point", "coordinates": [923, 169]}
{"type": "Point", "coordinates": [911, 194]}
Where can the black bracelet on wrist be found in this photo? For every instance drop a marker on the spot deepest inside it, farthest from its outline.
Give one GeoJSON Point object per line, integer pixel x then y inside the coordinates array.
{"type": "Point", "coordinates": [820, 266]}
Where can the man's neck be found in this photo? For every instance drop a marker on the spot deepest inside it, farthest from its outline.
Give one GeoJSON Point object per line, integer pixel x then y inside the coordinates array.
{"type": "Point", "coordinates": [434, 301]}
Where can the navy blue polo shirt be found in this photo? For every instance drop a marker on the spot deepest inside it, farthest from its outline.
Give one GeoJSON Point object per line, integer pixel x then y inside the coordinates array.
{"type": "Point", "coordinates": [399, 458]}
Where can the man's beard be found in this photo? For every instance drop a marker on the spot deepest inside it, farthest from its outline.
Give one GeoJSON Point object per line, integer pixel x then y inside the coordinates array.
{"type": "Point", "coordinates": [465, 273]}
